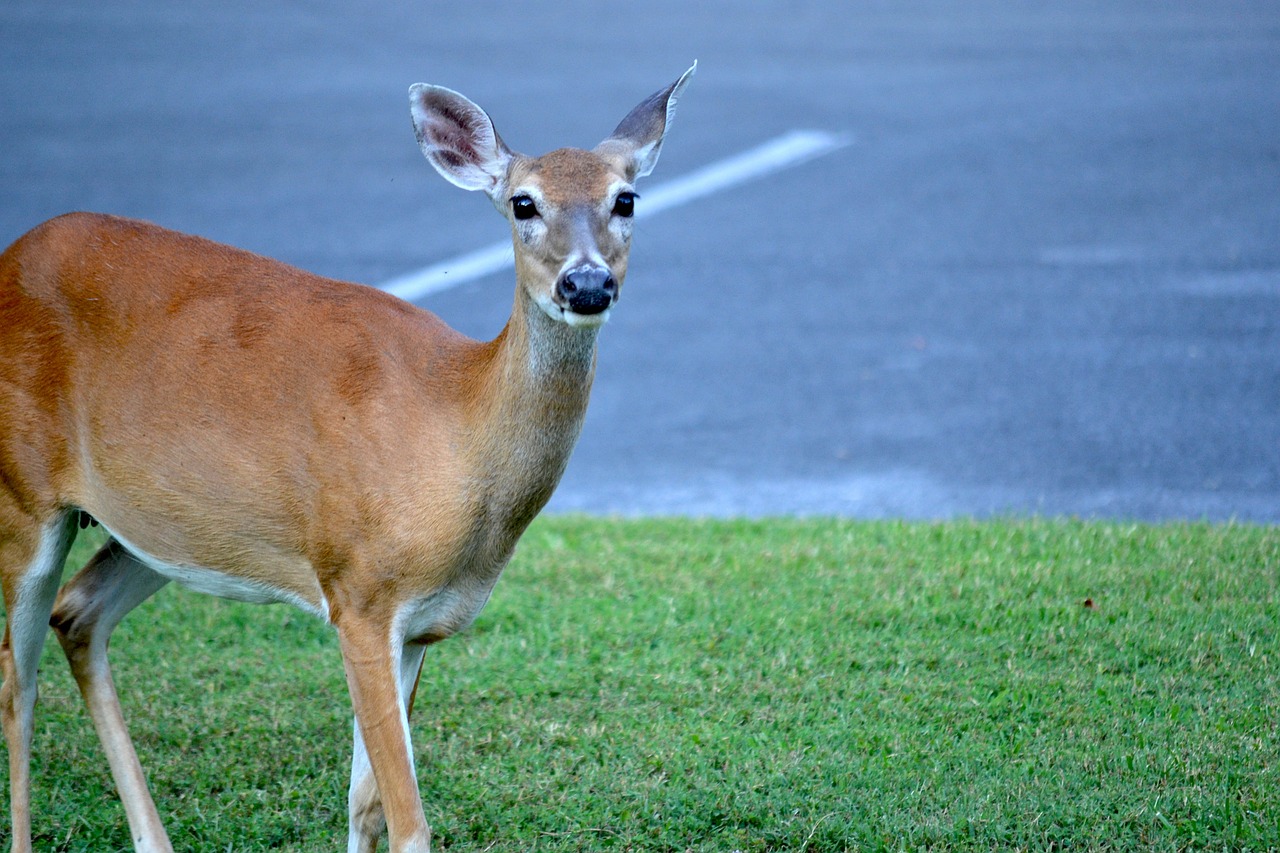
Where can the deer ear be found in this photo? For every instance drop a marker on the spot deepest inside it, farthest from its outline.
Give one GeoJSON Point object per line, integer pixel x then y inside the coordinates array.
{"type": "Point", "coordinates": [458, 138]}
{"type": "Point", "coordinates": [637, 140]}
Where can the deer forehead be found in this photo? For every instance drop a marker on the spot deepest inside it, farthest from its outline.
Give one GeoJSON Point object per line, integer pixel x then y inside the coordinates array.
{"type": "Point", "coordinates": [567, 176]}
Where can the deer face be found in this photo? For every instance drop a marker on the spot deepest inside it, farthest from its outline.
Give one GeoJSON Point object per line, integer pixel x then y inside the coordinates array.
{"type": "Point", "coordinates": [571, 213]}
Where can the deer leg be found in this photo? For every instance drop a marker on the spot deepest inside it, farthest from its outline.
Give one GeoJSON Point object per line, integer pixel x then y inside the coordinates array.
{"type": "Point", "coordinates": [384, 786]}
{"type": "Point", "coordinates": [87, 611]}
{"type": "Point", "coordinates": [32, 568]}
{"type": "Point", "coordinates": [363, 801]}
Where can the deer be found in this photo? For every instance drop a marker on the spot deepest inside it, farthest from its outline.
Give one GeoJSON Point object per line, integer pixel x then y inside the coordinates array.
{"type": "Point", "coordinates": [259, 433]}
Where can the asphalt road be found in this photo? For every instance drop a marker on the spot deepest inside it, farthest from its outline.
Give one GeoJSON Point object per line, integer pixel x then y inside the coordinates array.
{"type": "Point", "coordinates": [1044, 278]}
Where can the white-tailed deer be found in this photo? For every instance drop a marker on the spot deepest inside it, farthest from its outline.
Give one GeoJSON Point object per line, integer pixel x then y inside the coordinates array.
{"type": "Point", "coordinates": [259, 433]}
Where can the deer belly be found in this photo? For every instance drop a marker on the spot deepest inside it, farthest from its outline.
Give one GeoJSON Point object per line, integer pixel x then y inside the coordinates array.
{"type": "Point", "coordinates": [222, 584]}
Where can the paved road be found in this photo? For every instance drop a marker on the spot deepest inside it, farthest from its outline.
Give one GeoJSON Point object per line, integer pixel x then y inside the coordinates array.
{"type": "Point", "coordinates": [1044, 279]}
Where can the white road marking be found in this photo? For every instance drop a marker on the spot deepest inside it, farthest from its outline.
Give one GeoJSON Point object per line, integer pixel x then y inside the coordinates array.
{"type": "Point", "coordinates": [790, 149]}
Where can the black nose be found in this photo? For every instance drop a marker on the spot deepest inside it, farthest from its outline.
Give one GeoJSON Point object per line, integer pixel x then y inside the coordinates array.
{"type": "Point", "coordinates": [587, 290]}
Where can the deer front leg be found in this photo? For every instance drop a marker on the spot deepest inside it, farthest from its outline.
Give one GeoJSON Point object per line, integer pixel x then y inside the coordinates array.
{"type": "Point", "coordinates": [88, 609]}
{"type": "Point", "coordinates": [383, 782]}
{"type": "Point", "coordinates": [363, 801]}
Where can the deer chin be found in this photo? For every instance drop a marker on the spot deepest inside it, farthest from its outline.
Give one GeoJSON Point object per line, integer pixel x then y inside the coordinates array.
{"type": "Point", "coordinates": [569, 317]}
{"type": "Point", "coordinates": [585, 321]}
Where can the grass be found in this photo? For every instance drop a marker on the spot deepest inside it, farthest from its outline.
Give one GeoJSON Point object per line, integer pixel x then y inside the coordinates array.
{"type": "Point", "coordinates": [678, 685]}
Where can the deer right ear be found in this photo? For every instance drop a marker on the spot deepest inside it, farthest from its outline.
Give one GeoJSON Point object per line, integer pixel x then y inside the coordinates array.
{"type": "Point", "coordinates": [458, 138]}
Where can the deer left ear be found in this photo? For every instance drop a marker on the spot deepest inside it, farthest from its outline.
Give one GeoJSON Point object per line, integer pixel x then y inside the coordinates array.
{"type": "Point", "coordinates": [637, 140]}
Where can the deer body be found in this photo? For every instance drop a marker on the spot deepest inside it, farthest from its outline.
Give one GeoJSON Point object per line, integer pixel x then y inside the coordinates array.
{"type": "Point", "coordinates": [174, 467]}
{"type": "Point", "coordinates": [260, 433]}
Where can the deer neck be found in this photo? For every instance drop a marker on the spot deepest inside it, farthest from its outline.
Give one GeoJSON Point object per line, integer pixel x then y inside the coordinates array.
{"type": "Point", "coordinates": [534, 403]}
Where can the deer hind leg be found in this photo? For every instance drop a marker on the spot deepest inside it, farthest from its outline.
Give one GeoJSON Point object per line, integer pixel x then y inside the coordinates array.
{"type": "Point", "coordinates": [89, 607]}
{"type": "Point", "coordinates": [31, 561]}
{"type": "Point", "coordinates": [367, 816]}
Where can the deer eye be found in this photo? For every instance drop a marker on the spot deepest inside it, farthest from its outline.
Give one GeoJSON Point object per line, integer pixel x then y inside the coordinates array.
{"type": "Point", "coordinates": [625, 205]}
{"type": "Point", "coordinates": [522, 207]}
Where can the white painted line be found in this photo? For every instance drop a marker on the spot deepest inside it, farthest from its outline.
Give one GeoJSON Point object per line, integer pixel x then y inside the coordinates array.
{"type": "Point", "coordinates": [453, 272]}
{"type": "Point", "coordinates": [790, 149]}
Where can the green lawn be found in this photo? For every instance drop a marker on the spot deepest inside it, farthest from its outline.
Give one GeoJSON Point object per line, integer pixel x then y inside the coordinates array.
{"type": "Point", "coordinates": [717, 686]}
